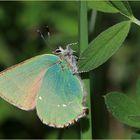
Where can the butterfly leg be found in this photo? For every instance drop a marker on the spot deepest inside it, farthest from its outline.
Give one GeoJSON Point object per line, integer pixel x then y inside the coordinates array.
{"type": "Point", "coordinates": [85, 110]}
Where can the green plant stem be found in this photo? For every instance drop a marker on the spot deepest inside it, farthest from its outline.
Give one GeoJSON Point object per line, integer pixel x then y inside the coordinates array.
{"type": "Point", "coordinates": [136, 21]}
{"type": "Point", "coordinates": [92, 21]}
{"type": "Point", "coordinates": [86, 133]}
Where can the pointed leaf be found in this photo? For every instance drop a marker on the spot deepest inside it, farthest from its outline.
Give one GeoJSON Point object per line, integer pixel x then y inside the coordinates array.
{"type": "Point", "coordinates": [103, 6]}
{"type": "Point", "coordinates": [123, 7]}
{"type": "Point", "coordinates": [136, 118]}
{"type": "Point", "coordinates": [122, 107]}
{"type": "Point", "coordinates": [103, 46]}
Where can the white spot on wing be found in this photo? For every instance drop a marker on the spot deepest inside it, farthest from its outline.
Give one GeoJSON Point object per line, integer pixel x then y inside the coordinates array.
{"type": "Point", "coordinates": [64, 105]}
{"type": "Point", "coordinates": [40, 98]}
{"type": "Point", "coordinates": [58, 105]}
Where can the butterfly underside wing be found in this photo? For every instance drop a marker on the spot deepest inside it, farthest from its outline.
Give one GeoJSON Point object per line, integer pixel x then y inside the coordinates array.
{"type": "Point", "coordinates": [49, 83]}
{"type": "Point", "coordinates": [59, 101]}
{"type": "Point", "coordinates": [19, 84]}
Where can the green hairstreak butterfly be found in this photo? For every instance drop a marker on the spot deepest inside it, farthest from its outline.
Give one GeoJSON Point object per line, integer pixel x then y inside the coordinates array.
{"type": "Point", "coordinates": [48, 83]}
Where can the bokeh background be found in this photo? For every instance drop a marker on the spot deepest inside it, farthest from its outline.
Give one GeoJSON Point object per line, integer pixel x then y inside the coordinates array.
{"type": "Point", "coordinates": [19, 40]}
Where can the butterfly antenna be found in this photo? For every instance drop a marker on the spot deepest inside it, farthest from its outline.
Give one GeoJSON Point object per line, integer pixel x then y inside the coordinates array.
{"type": "Point", "coordinates": [42, 36]}
{"type": "Point", "coordinates": [48, 31]}
{"type": "Point", "coordinates": [71, 44]}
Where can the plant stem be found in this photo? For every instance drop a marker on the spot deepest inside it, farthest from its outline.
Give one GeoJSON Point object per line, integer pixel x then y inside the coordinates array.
{"type": "Point", "coordinates": [136, 21]}
{"type": "Point", "coordinates": [86, 133]}
{"type": "Point", "coordinates": [92, 21]}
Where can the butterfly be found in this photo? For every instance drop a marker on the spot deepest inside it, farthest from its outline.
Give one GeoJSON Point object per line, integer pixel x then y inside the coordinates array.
{"type": "Point", "coordinates": [49, 83]}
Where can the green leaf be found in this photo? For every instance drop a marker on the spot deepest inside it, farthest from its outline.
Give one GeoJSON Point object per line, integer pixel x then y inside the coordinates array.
{"type": "Point", "coordinates": [123, 7]}
{"type": "Point", "coordinates": [102, 6]}
{"type": "Point", "coordinates": [122, 107]}
{"type": "Point", "coordinates": [136, 135]}
{"type": "Point", "coordinates": [138, 87]}
{"type": "Point", "coordinates": [103, 46]}
{"type": "Point", "coordinates": [138, 93]}
{"type": "Point", "coordinates": [136, 118]}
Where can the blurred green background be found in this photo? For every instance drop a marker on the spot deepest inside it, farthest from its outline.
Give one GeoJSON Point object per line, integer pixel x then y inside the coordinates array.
{"type": "Point", "coordinates": [19, 40]}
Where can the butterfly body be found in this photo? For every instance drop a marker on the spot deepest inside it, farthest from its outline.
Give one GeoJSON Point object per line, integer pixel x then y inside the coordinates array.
{"type": "Point", "coordinates": [47, 83]}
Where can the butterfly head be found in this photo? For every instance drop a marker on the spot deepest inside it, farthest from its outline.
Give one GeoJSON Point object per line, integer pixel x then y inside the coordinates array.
{"type": "Point", "coordinates": [63, 52]}
{"type": "Point", "coordinates": [59, 51]}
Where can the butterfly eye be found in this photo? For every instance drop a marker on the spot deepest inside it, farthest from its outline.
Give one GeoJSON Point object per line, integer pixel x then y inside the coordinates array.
{"type": "Point", "coordinates": [58, 51]}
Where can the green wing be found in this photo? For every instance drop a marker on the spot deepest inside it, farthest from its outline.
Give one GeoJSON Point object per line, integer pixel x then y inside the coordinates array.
{"type": "Point", "coordinates": [19, 84]}
{"type": "Point", "coordinates": [59, 102]}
